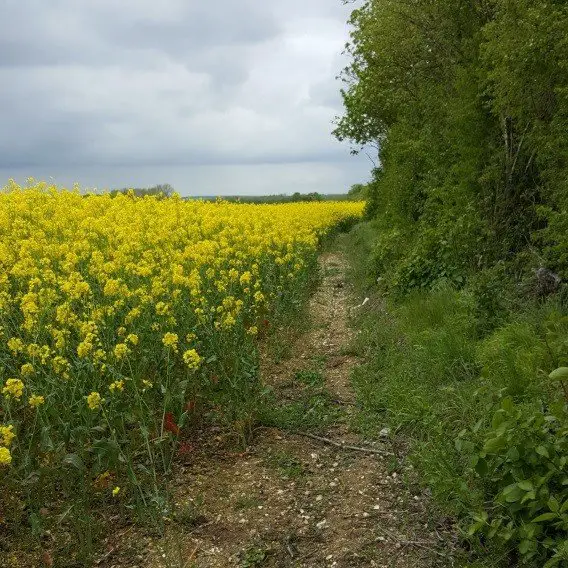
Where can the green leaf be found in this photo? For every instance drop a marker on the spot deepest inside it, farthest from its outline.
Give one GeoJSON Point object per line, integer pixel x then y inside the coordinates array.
{"type": "Point", "coordinates": [481, 467]}
{"type": "Point", "coordinates": [544, 517]}
{"type": "Point", "coordinates": [493, 445]}
{"type": "Point", "coordinates": [541, 450]}
{"type": "Point", "coordinates": [513, 493]}
{"type": "Point", "coordinates": [526, 485]}
{"type": "Point", "coordinates": [46, 441]}
{"type": "Point", "coordinates": [513, 454]}
{"type": "Point", "coordinates": [529, 496]}
{"type": "Point", "coordinates": [560, 374]}
{"type": "Point", "coordinates": [553, 505]}
{"type": "Point", "coordinates": [507, 404]}
{"type": "Point", "coordinates": [74, 460]}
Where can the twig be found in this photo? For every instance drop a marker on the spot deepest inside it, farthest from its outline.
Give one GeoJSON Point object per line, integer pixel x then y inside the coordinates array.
{"type": "Point", "coordinates": [192, 555]}
{"type": "Point", "coordinates": [417, 543]}
{"type": "Point", "coordinates": [422, 545]}
{"type": "Point", "coordinates": [342, 445]}
{"type": "Point", "coordinates": [289, 547]}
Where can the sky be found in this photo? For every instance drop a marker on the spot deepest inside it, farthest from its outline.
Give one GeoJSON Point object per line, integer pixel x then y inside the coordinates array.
{"type": "Point", "coordinates": [217, 97]}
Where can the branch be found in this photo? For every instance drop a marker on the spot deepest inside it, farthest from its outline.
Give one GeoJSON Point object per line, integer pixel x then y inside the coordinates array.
{"type": "Point", "coordinates": [341, 444]}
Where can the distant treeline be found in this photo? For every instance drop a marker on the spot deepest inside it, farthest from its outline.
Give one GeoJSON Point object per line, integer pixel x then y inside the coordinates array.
{"type": "Point", "coordinates": [283, 198]}
{"type": "Point", "coordinates": [166, 190]}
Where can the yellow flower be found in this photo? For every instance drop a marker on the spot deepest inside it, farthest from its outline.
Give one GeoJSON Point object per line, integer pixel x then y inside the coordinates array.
{"type": "Point", "coordinates": [121, 350]}
{"type": "Point", "coordinates": [60, 364]}
{"type": "Point", "coordinates": [36, 400]}
{"type": "Point", "coordinates": [147, 384]}
{"type": "Point", "coordinates": [112, 287]}
{"type": "Point", "coordinates": [132, 315]}
{"type": "Point", "coordinates": [161, 308]}
{"type": "Point", "coordinates": [132, 338]}
{"type": "Point", "coordinates": [170, 340]}
{"type": "Point", "coordinates": [115, 491]}
{"type": "Point", "coordinates": [27, 370]}
{"type": "Point", "coordinates": [192, 359]}
{"type": "Point", "coordinates": [116, 386]}
{"type": "Point", "coordinates": [7, 433]}
{"type": "Point", "coordinates": [13, 388]}
{"type": "Point", "coordinates": [94, 400]}
{"type": "Point", "coordinates": [253, 330]}
{"type": "Point", "coordinates": [5, 456]}
{"type": "Point", "coordinates": [16, 345]}
{"type": "Point", "coordinates": [84, 348]}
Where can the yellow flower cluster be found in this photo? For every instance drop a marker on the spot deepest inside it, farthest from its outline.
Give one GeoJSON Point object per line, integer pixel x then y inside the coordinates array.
{"type": "Point", "coordinates": [6, 437]}
{"type": "Point", "coordinates": [192, 359]}
{"type": "Point", "coordinates": [96, 290]}
{"type": "Point", "coordinates": [14, 388]}
{"type": "Point", "coordinates": [94, 400]}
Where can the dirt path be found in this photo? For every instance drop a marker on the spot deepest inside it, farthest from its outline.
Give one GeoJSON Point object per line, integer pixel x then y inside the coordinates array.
{"type": "Point", "coordinates": [291, 501]}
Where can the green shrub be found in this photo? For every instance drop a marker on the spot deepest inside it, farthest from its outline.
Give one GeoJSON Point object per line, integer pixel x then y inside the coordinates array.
{"type": "Point", "coordinates": [523, 464]}
{"type": "Point", "coordinates": [494, 291]}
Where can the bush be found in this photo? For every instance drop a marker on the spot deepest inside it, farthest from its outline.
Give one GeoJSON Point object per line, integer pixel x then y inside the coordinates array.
{"type": "Point", "coordinates": [522, 463]}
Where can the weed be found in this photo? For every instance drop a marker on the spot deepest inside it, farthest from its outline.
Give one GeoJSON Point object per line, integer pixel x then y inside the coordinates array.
{"type": "Point", "coordinates": [310, 378]}
{"type": "Point", "coordinates": [190, 512]}
{"type": "Point", "coordinates": [246, 502]}
{"type": "Point", "coordinates": [313, 411]}
{"type": "Point", "coordinates": [287, 464]}
{"type": "Point", "coordinates": [254, 556]}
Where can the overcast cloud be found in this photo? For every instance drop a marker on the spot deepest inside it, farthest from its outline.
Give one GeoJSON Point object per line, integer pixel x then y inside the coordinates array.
{"type": "Point", "coordinates": [218, 97]}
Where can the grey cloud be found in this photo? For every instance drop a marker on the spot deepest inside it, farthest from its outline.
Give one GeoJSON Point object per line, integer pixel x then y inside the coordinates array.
{"type": "Point", "coordinates": [105, 86]}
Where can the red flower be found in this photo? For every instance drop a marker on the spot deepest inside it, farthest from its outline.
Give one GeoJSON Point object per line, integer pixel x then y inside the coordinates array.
{"type": "Point", "coordinates": [170, 424]}
{"type": "Point", "coordinates": [189, 406]}
{"type": "Point", "coordinates": [265, 323]}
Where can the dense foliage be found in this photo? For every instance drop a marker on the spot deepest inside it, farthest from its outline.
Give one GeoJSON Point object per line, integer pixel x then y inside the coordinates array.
{"type": "Point", "coordinates": [467, 102]}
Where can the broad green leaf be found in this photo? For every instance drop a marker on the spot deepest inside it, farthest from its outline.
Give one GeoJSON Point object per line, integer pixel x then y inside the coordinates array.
{"type": "Point", "coordinates": [553, 505]}
{"type": "Point", "coordinates": [544, 517]}
{"type": "Point", "coordinates": [481, 467]}
{"type": "Point", "coordinates": [541, 450]}
{"type": "Point", "coordinates": [560, 374]}
{"type": "Point", "coordinates": [512, 493]}
{"type": "Point", "coordinates": [493, 445]}
{"type": "Point", "coordinates": [75, 461]}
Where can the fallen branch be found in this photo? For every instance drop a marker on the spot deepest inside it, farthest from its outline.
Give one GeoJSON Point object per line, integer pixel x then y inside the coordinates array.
{"type": "Point", "coordinates": [342, 445]}
{"type": "Point", "coordinates": [418, 543]}
{"type": "Point", "coordinates": [423, 545]}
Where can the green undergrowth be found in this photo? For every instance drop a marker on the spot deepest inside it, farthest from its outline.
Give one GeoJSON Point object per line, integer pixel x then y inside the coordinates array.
{"type": "Point", "coordinates": [461, 376]}
{"type": "Point", "coordinates": [304, 404]}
